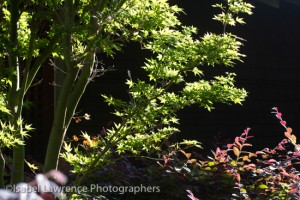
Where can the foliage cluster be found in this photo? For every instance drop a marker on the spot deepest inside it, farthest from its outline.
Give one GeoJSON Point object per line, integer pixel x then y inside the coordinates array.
{"type": "Point", "coordinates": [232, 171]}
{"type": "Point", "coordinates": [149, 118]}
{"type": "Point", "coordinates": [236, 172]}
{"type": "Point", "coordinates": [76, 34]}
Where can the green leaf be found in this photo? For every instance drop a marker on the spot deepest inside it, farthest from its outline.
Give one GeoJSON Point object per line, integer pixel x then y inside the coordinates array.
{"type": "Point", "coordinates": [67, 147]}
{"type": "Point", "coordinates": [263, 186]}
{"type": "Point", "coordinates": [31, 166]}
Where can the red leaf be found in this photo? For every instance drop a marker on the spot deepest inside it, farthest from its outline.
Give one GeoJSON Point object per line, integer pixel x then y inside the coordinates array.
{"type": "Point", "coordinates": [282, 122]}
{"type": "Point", "coordinates": [284, 173]}
{"type": "Point", "coordinates": [224, 152]}
{"type": "Point", "coordinates": [280, 147]}
{"type": "Point", "coordinates": [294, 176]}
{"type": "Point", "coordinates": [287, 134]}
{"type": "Point", "coordinates": [270, 161]}
{"type": "Point", "coordinates": [238, 144]}
{"type": "Point", "coordinates": [297, 154]}
{"type": "Point", "coordinates": [289, 130]}
{"type": "Point", "coordinates": [246, 131]}
{"type": "Point", "coordinates": [260, 152]}
{"type": "Point", "coordinates": [77, 120]}
{"type": "Point", "coordinates": [238, 177]}
{"type": "Point", "coordinates": [237, 139]}
{"type": "Point", "coordinates": [278, 115]}
{"type": "Point", "coordinates": [242, 139]}
{"type": "Point", "coordinates": [250, 166]}
{"type": "Point", "coordinates": [187, 155]}
{"type": "Point", "coordinates": [165, 160]}
{"type": "Point", "coordinates": [284, 141]}
{"type": "Point", "coordinates": [293, 191]}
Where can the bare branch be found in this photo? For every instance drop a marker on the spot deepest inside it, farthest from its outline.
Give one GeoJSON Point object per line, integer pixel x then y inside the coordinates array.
{"type": "Point", "coordinates": [55, 67]}
{"type": "Point", "coordinates": [37, 83]}
{"type": "Point", "coordinates": [99, 72]}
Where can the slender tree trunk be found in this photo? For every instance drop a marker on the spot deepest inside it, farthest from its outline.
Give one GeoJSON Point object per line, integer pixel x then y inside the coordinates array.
{"type": "Point", "coordinates": [2, 168]}
{"type": "Point", "coordinates": [14, 94]}
{"type": "Point", "coordinates": [66, 106]}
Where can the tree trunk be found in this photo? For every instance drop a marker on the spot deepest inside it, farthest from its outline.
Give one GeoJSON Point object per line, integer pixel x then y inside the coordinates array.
{"type": "Point", "coordinates": [68, 100]}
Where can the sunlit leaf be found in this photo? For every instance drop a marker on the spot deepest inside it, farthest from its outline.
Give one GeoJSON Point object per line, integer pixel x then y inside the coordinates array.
{"type": "Point", "coordinates": [262, 186]}
{"type": "Point", "coordinates": [293, 138]}
{"type": "Point", "coordinates": [287, 134]}
{"type": "Point", "coordinates": [236, 151]}
{"type": "Point", "coordinates": [252, 155]}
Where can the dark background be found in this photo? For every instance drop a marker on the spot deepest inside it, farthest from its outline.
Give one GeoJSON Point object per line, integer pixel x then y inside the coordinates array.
{"type": "Point", "coordinates": [270, 73]}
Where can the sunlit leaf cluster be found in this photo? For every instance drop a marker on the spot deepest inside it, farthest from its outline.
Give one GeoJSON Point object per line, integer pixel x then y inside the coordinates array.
{"type": "Point", "coordinates": [176, 79]}
{"type": "Point", "coordinates": [231, 10]}
{"type": "Point", "coordinates": [9, 135]}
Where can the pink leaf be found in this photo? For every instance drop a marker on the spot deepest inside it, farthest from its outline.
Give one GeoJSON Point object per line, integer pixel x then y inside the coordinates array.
{"type": "Point", "coordinates": [166, 160]}
{"type": "Point", "coordinates": [237, 139]}
{"type": "Point", "coordinates": [238, 177]}
{"type": "Point", "coordinates": [260, 152]}
{"type": "Point", "coordinates": [282, 122]}
{"type": "Point", "coordinates": [270, 161]}
{"type": "Point", "coordinates": [294, 191]}
{"type": "Point", "coordinates": [284, 141]}
{"type": "Point", "coordinates": [278, 115]}
{"type": "Point", "coordinates": [251, 165]}
{"type": "Point", "coordinates": [294, 186]}
{"type": "Point", "coordinates": [297, 154]}
{"type": "Point", "coordinates": [284, 173]}
{"type": "Point", "coordinates": [280, 147]}
{"type": "Point", "coordinates": [191, 195]}
{"type": "Point", "coordinates": [246, 131]}
{"type": "Point", "coordinates": [275, 108]}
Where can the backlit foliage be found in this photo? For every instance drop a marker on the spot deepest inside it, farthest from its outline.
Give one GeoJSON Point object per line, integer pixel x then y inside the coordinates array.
{"type": "Point", "coordinates": [149, 118]}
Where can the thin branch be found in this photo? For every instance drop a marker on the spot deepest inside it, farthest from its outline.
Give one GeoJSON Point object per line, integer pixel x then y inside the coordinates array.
{"type": "Point", "coordinates": [55, 67]}
{"type": "Point", "coordinates": [99, 72]}
{"type": "Point", "coordinates": [41, 59]}
{"type": "Point", "coordinates": [37, 83]}
{"type": "Point", "coordinates": [55, 84]}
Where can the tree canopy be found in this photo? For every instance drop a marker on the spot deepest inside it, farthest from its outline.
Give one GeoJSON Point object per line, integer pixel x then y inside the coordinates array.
{"type": "Point", "coordinates": [73, 34]}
